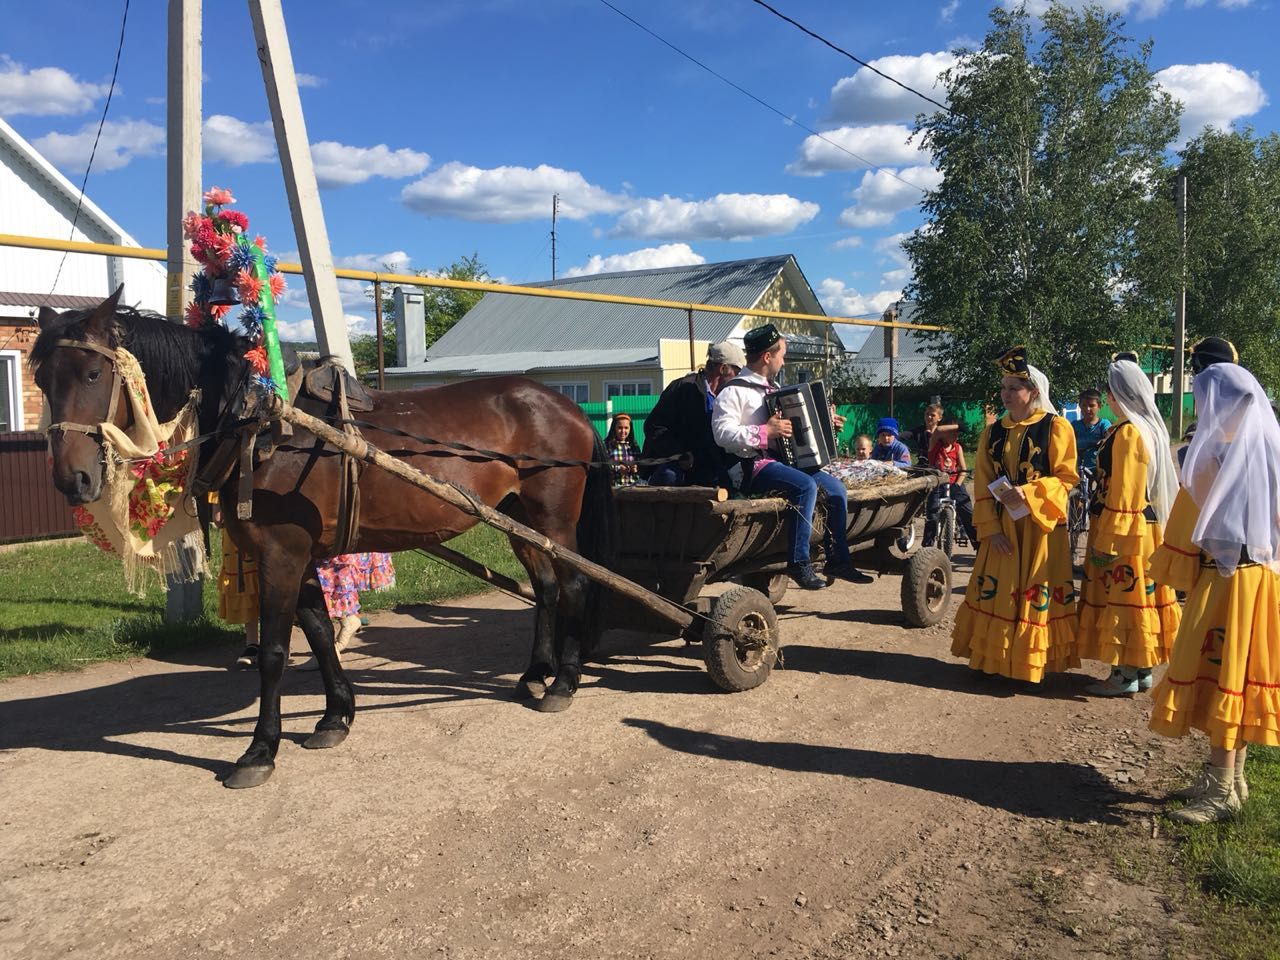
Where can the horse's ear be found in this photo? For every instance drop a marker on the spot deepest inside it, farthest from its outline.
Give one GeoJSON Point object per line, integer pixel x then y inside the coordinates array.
{"type": "Point", "coordinates": [102, 320]}
{"type": "Point", "coordinates": [46, 317]}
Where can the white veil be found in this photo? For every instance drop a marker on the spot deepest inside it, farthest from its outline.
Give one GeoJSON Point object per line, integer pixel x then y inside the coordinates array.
{"type": "Point", "coordinates": [1041, 383]}
{"type": "Point", "coordinates": [1132, 395]}
{"type": "Point", "coordinates": [1232, 469]}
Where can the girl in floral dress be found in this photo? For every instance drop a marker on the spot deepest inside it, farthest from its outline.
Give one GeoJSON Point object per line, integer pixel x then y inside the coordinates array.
{"type": "Point", "coordinates": [342, 579]}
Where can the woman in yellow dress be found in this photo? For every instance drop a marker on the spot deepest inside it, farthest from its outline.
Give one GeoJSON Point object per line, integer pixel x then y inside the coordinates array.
{"type": "Point", "coordinates": [1222, 546]}
{"type": "Point", "coordinates": [1126, 619]}
{"type": "Point", "coordinates": [1019, 612]}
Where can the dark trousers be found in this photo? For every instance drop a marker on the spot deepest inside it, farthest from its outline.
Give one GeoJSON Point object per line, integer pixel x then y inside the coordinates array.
{"type": "Point", "coordinates": [801, 490]}
{"type": "Point", "coordinates": [964, 512]}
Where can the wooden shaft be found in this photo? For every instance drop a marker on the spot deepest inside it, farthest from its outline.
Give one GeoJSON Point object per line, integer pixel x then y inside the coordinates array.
{"type": "Point", "coordinates": [467, 502]}
{"type": "Point", "coordinates": [481, 572]}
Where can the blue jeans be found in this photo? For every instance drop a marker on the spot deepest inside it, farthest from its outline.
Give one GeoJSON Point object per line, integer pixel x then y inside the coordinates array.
{"type": "Point", "coordinates": [801, 491]}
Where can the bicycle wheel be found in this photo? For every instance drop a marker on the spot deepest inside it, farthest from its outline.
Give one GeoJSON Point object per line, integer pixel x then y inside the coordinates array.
{"type": "Point", "coordinates": [946, 539]}
{"type": "Point", "coordinates": [1077, 524]}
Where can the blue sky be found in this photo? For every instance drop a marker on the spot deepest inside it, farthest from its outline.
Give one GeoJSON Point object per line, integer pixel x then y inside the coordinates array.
{"type": "Point", "coordinates": [443, 128]}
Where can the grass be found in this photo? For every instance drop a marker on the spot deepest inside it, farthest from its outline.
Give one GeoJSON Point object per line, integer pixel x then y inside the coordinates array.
{"type": "Point", "coordinates": [64, 605]}
{"type": "Point", "coordinates": [1238, 864]}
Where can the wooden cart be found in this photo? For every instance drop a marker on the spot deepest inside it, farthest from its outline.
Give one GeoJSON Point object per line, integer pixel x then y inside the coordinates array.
{"type": "Point", "coordinates": [676, 540]}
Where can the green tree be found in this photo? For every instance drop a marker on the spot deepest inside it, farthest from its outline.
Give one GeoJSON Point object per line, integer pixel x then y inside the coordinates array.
{"type": "Point", "coordinates": [1048, 158]}
{"type": "Point", "coordinates": [444, 307]}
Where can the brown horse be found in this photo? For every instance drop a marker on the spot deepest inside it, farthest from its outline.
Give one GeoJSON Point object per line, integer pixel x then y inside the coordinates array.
{"type": "Point", "coordinates": [295, 492]}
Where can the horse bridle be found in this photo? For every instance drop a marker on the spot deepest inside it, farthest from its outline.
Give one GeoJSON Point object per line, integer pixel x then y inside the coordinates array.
{"type": "Point", "coordinates": [93, 430]}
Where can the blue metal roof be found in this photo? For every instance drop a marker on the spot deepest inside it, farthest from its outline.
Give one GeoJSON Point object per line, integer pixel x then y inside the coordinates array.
{"type": "Point", "coordinates": [508, 323]}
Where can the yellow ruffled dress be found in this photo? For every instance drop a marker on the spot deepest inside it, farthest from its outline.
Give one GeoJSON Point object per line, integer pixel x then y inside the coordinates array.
{"type": "Point", "coordinates": [1224, 674]}
{"type": "Point", "coordinates": [1126, 618]}
{"type": "Point", "coordinates": [1019, 612]}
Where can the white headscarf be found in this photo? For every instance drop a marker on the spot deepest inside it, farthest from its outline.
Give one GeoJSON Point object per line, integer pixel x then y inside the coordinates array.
{"type": "Point", "coordinates": [1041, 383]}
{"type": "Point", "coordinates": [1132, 395]}
{"type": "Point", "coordinates": [1232, 469]}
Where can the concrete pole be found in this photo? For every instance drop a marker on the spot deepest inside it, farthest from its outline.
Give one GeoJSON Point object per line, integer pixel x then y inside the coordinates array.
{"type": "Point", "coordinates": [1180, 309]}
{"type": "Point", "coordinates": [183, 600]}
{"type": "Point", "coordinates": [300, 178]}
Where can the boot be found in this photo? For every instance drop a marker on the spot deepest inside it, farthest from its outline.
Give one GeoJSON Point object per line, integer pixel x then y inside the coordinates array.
{"type": "Point", "coordinates": [1122, 683]}
{"type": "Point", "coordinates": [1196, 789]}
{"type": "Point", "coordinates": [1242, 788]}
{"type": "Point", "coordinates": [805, 576]}
{"type": "Point", "coordinates": [1219, 801]}
{"type": "Point", "coordinates": [348, 627]}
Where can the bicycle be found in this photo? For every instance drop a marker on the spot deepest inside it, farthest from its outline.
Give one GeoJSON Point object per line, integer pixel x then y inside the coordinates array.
{"type": "Point", "coordinates": [947, 533]}
{"type": "Point", "coordinates": [1078, 515]}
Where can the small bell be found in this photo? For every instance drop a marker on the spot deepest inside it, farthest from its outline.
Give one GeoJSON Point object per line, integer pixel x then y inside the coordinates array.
{"type": "Point", "coordinates": [222, 293]}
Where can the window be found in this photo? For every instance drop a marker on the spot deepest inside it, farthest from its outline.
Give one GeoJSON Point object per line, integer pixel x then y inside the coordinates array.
{"type": "Point", "coordinates": [628, 388]}
{"type": "Point", "coordinates": [10, 391]}
{"type": "Point", "coordinates": [577, 392]}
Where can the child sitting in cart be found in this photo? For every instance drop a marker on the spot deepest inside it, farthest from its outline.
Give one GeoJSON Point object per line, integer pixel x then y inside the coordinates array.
{"type": "Point", "coordinates": [947, 456]}
{"type": "Point", "coordinates": [888, 446]}
{"type": "Point", "coordinates": [862, 447]}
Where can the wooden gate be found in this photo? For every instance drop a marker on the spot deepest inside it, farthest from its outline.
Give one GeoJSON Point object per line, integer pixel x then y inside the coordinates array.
{"type": "Point", "coordinates": [30, 507]}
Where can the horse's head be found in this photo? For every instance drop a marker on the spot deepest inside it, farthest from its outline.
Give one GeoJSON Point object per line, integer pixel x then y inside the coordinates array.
{"type": "Point", "coordinates": [74, 362]}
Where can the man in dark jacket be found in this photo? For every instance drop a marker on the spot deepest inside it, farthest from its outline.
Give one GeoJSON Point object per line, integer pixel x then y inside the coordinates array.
{"type": "Point", "coordinates": [681, 423]}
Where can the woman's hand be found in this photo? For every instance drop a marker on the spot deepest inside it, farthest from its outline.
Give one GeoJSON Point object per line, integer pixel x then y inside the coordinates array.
{"type": "Point", "coordinates": [1000, 544]}
{"type": "Point", "coordinates": [1013, 497]}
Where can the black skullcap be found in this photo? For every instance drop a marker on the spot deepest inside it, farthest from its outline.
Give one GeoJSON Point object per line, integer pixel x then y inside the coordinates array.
{"type": "Point", "coordinates": [1013, 363]}
{"type": "Point", "coordinates": [756, 341]}
{"type": "Point", "coordinates": [1212, 350]}
{"type": "Point", "coordinates": [1125, 355]}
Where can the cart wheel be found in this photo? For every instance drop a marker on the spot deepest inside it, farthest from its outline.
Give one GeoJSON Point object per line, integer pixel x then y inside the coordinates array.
{"type": "Point", "coordinates": [772, 585]}
{"type": "Point", "coordinates": [926, 587]}
{"type": "Point", "coordinates": [743, 661]}
{"type": "Point", "coordinates": [946, 541]}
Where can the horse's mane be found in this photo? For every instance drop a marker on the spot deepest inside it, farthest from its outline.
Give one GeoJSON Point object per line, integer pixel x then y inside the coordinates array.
{"type": "Point", "coordinates": [175, 358]}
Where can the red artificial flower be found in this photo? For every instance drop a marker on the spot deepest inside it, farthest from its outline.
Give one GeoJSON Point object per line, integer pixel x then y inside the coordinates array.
{"type": "Point", "coordinates": [194, 315]}
{"type": "Point", "coordinates": [218, 196]}
{"type": "Point", "coordinates": [219, 310]}
{"type": "Point", "coordinates": [192, 223]}
{"type": "Point", "coordinates": [238, 222]}
{"type": "Point", "coordinates": [250, 287]}
{"type": "Point", "coordinates": [258, 357]}
{"type": "Point", "coordinates": [277, 285]}
{"type": "Point", "coordinates": [261, 241]}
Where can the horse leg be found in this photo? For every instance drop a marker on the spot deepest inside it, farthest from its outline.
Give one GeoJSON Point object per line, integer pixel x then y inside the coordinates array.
{"type": "Point", "coordinates": [542, 660]}
{"type": "Point", "coordinates": [571, 618]}
{"type": "Point", "coordinates": [339, 700]}
{"type": "Point", "coordinates": [280, 569]}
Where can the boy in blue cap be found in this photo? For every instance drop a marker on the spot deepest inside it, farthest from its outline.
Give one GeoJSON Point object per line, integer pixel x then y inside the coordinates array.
{"type": "Point", "coordinates": [888, 446]}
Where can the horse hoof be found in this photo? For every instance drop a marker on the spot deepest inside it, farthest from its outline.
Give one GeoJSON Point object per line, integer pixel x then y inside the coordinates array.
{"type": "Point", "coordinates": [249, 776]}
{"type": "Point", "coordinates": [554, 703]}
{"type": "Point", "coordinates": [324, 739]}
{"type": "Point", "coordinates": [530, 689]}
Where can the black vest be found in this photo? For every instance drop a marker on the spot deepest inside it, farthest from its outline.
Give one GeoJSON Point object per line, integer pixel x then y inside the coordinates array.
{"type": "Point", "coordinates": [1102, 480]}
{"type": "Point", "coordinates": [1033, 457]}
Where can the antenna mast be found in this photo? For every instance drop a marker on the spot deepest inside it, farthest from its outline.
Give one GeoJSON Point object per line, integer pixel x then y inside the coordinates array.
{"type": "Point", "coordinates": [555, 207]}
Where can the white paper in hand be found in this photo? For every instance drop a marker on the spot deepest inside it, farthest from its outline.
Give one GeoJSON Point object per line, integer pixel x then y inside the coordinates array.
{"type": "Point", "coordinates": [1000, 487]}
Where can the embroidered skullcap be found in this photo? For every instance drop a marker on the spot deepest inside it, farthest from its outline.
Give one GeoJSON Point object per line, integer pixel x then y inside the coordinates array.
{"type": "Point", "coordinates": [1212, 350]}
{"type": "Point", "coordinates": [1013, 363]}
{"type": "Point", "coordinates": [1125, 355]}
{"type": "Point", "coordinates": [756, 341]}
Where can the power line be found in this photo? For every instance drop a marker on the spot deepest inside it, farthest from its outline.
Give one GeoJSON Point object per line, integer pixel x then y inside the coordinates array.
{"type": "Point", "coordinates": [768, 106]}
{"type": "Point", "coordinates": [124, 19]}
{"type": "Point", "coordinates": [878, 72]}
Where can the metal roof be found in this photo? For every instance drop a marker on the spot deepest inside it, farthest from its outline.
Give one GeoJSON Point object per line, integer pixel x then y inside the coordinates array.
{"type": "Point", "coordinates": [914, 362]}
{"type": "Point", "coordinates": [508, 323]}
{"type": "Point", "coordinates": [60, 301]}
{"type": "Point", "coordinates": [527, 361]}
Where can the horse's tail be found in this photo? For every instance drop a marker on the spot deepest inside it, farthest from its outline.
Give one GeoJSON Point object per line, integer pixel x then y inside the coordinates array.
{"type": "Point", "coordinates": [597, 537]}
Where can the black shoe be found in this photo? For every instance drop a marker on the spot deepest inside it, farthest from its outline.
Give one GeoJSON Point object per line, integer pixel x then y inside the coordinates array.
{"type": "Point", "coordinates": [847, 571]}
{"type": "Point", "coordinates": [806, 577]}
{"type": "Point", "coordinates": [248, 659]}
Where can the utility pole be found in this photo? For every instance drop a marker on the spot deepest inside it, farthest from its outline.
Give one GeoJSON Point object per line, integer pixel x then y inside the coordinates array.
{"type": "Point", "coordinates": [183, 598]}
{"type": "Point", "coordinates": [555, 208]}
{"type": "Point", "coordinates": [1180, 308]}
{"type": "Point", "coordinates": [300, 178]}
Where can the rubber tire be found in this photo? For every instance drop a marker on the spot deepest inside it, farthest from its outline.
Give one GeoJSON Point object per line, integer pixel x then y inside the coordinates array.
{"type": "Point", "coordinates": [945, 540]}
{"type": "Point", "coordinates": [772, 585]}
{"type": "Point", "coordinates": [738, 608]}
{"type": "Point", "coordinates": [926, 587]}
{"type": "Point", "coordinates": [1077, 525]}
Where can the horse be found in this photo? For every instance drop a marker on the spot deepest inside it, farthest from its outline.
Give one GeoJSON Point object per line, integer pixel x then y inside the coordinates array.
{"type": "Point", "coordinates": [295, 491]}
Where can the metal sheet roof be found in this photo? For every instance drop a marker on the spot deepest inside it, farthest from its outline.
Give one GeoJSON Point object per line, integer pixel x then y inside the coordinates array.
{"type": "Point", "coordinates": [527, 361]}
{"type": "Point", "coordinates": [507, 323]}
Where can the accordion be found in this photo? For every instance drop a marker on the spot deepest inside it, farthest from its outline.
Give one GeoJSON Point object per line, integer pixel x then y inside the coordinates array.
{"type": "Point", "coordinates": [812, 443]}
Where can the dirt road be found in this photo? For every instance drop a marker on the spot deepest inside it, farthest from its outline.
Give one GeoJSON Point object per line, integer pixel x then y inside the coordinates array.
{"type": "Point", "coordinates": [870, 799]}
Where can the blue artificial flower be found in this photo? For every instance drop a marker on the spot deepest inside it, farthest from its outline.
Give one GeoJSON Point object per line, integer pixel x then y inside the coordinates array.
{"type": "Point", "coordinates": [200, 287]}
{"type": "Point", "coordinates": [266, 383]}
{"type": "Point", "coordinates": [241, 259]}
{"type": "Point", "coordinates": [269, 262]}
{"type": "Point", "coordinates": [252, 316]}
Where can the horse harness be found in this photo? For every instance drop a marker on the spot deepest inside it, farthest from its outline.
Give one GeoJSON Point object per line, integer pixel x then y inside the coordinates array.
{"type": "Point", "coordinates": [93, 430]}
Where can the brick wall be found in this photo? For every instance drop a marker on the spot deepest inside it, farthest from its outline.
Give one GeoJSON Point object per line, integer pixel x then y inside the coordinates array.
{"type": "Point", "coordinates": [19, 333]}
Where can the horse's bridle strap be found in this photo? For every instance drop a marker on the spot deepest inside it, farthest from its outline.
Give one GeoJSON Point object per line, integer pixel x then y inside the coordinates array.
{"type": "Point", "coordinates": [91, 430]}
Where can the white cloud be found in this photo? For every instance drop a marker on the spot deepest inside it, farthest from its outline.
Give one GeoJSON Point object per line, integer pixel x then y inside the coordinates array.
{"type": "Point", "coordinates": [726, 216]}
{"type": "Point", "coordinates": [44, 91]}
{"type": "Point", "coordinates": [507, 194]}
{"type": "Point", "coordinates": [895, 278]}
{"type": "Point", "coordinates": [120, 143]}
{"type": "Point", "coordinates": [890, 248]}
{"type": "Point", "coordinates": [649, 258]}
{"type": "Point", "coordinates": [234, 142]}
{"type": "Point", "coordinates": [839, 300]}
{"type": "Point", "coordinates": [356, 295]}
{"type": "Point", "coordinates": [881, 196]}
{"type": "Point", "coordinates": [397, 261]}
{"type": "Point", "coordinates": [849, 243]}
{"type": "Point", "coordinates": [310, 80]}
{"type": "Point", "coordinates": [948, 11]}
{"type": "Point", "coordinates": [1212, 94]}
{"type": "Point", "coordinates": [341, 165]}
{"type": "Point", "coordinates": [879, 145]}
{"type": "Point", "coordinates": [868, 98]}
